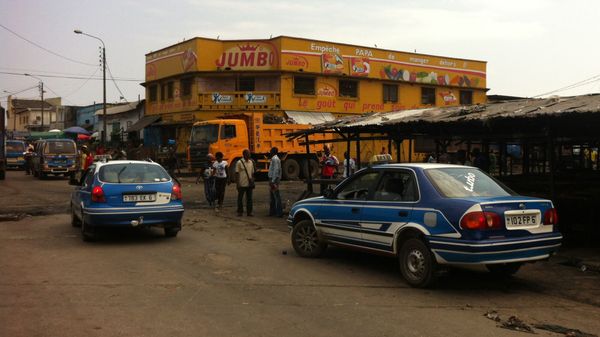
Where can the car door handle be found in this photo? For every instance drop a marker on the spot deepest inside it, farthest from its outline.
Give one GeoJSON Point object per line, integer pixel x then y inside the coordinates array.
{"type": "Point", "coordinates": [355, 210]}
{"type": "Point", "coordinates": [403, 213]}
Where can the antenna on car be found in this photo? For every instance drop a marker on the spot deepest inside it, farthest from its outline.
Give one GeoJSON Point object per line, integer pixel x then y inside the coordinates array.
{"type": "Point", "coordinates": [148, 159]}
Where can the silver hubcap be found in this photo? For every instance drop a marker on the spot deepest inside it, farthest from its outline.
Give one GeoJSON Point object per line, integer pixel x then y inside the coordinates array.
{"type": "Point", "coordinates": [307, 239]}
{"type": "Point", "coordinates": [415, 262]}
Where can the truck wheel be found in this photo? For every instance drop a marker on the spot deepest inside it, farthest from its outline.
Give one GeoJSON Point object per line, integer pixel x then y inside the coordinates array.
{"type": "Point", "coordinates": [313, 168]}
{"type": "Point", "coordinates": [291, 169]}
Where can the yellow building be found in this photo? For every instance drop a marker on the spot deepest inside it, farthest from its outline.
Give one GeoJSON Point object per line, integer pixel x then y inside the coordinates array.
{"type": "Point", "coordinates": [202, 79]}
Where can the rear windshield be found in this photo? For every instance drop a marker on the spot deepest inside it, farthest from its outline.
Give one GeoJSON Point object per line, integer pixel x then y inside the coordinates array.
{"type": "Point", "coordinates": [15, 147]}
{"type": "Point", "coordinates": [59, 147]}
{"type": "Point", "coordinates": [133, 173]}
{"type": "Point", "coordinates": [464, 182]}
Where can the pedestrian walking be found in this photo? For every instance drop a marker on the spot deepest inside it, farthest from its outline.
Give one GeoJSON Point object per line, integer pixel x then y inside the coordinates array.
{"type": "Point", "coordinates": [329, 163]}
{"type": "Point", "coordinates": [29, 160]}
{"type": "Point", "coordinates": [87, 158]}
{"type": "Point", "coordinates": [244, 177]}
{"type": "Point", "coordinates": [275, 207]}
{"type": "Point", "coordinates": [206, 174]}
{"type": "Point", "coordinates": [220, 174]}
{"type": "Point", "coordinates": [348, 163]}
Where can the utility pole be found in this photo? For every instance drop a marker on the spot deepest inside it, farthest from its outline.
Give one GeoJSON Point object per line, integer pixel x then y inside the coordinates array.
{"type": "Point", "coordinates": [103, 92]}
{"type": "Point", "coordinates": [42, 94]}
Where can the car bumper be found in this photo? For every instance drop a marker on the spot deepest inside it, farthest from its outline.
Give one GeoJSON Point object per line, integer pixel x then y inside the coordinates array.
{"type": "Point", "coordinates": [531, 248]}
{"type": "Point", "coordinates": [133, 217]}
{"type": "Point", "coordinates": [59, 170]}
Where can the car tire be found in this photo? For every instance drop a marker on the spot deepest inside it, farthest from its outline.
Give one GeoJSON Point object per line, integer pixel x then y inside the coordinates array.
{"type": "Point", "coordinates": [306, 240]}
{"type": "Point", "coordinates": [504, 269]}
{"type": "Point", "coordinates": [417, 264]}
{"type": "Point", "coordinates": [87, 232]}
{"type": "Point", "coordinates": [75, 222]}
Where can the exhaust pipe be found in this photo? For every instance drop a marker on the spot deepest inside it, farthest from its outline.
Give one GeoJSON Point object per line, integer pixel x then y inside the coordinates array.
{"type": "Point", "coordinates": [137, 222]}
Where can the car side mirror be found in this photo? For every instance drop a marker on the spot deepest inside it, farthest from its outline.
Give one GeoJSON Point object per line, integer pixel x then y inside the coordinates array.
{"type": "Point", "coordinates": [328, 193]}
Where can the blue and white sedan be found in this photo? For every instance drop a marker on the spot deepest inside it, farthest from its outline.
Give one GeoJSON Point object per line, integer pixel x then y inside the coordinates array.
{"type": "Point", "coordinates": [125, 193]}
{"type": "Point", "coordinates": [428, 215]}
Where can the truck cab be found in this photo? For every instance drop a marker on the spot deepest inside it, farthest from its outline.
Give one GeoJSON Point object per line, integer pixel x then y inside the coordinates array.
{"type": "Point", "coordinates": [229, 136]}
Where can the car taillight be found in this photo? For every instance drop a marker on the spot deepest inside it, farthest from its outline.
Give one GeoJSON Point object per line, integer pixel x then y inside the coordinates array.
{"type": "Point", "coordinates": [176, 192]}
{"type": "Point", "coordinates": [481, 220]}
{"type": "Point", "coordinates": [551, 217]}
{"type": "Point", "coordinates": [98, 194]}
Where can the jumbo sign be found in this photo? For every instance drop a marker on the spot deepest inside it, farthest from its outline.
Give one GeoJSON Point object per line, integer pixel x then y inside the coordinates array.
{"type": "Point", "coordinates": [250, 55]}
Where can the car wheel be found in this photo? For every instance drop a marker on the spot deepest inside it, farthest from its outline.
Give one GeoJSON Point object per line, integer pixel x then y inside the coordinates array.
{"type": "Point", "coordinates": [171, 232]}
{"type": "Point", "coordinates": [306, 241]}
{"type": "Point", "coordinates": [75, 222]}
{"type": "Point", "coordinates": [87, 232]}
{"type": "Point", "coordinates": [504, 269]}
{"type": "Point", "coordinates": [417, 264]}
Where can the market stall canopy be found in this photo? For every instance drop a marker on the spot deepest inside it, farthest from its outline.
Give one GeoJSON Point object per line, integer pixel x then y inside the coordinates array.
{"type": "Point", "coordinates": [142, 123]}
{"type": "Point", "coordinates": [309, 117]}
{"type": "Point", "coordinates": [77, 129]}
{"type": "Point", "coordinates": [95, 135]}
{"type": "Point", "coordinates": [83, 137]}
{"type": "Point", "coordinates": [54, 130]}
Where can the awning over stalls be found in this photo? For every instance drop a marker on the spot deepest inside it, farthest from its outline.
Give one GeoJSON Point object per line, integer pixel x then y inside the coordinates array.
{"type": "Point", "coordinates": [142, 123]}
{"type": "Point", "coordinates": [309, 117]}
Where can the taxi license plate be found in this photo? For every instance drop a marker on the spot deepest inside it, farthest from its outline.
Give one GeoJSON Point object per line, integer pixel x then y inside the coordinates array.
{"type": "Point", "coordinates": [521, 220]}
{"type": "Point", "coordinates": [139, 197]}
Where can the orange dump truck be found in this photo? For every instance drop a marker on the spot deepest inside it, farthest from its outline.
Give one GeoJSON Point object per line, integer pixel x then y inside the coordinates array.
{"type": "Point", "coordinates": [232, 134]}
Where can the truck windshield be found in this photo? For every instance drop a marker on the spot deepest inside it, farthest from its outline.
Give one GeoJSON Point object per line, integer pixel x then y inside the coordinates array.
{"type": "Point", "coordinates": [15, 147]}
{"type": "Point", "coordinates": [208, 133]}
{"type": "Point", "coordinates": [60, 147]}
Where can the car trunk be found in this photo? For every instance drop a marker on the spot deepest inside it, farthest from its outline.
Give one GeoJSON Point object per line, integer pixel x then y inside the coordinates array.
{"type": "Point", "coordinates": [127, 195]}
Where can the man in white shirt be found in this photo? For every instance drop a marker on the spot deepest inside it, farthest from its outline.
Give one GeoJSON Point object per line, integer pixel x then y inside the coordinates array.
{"type": "Point", "coordinates": [275, 208]}
{"type": "Point", "coordinates": [352, 165]}
{"type": "Point", "coordinates": [244, 177]}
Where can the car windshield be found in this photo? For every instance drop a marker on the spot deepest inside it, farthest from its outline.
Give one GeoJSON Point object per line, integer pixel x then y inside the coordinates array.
{"type": "Point", "coordinates": [15, 147]}
{"type": "Point", "coordinates": [133, 173]}
{"type": "Point", "coordinates": [205, 133]}
{"type": "Point", "coordinates": [464, 182]}
{"type": "Point", "coordinates": [60, 147]}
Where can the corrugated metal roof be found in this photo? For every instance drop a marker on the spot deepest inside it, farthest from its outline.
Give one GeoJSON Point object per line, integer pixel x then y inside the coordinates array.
{"type": "Point", "coordinates": [515, 109]}
{"type": "Point", "coordinates": [117, 109]}
{"type": "Point", "coordinates": [308, 117]}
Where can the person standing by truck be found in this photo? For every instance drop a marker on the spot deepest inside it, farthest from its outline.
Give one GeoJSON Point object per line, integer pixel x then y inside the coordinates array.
{"type": "Point", "coordinates": [244, 177]}
{"type": "Point", "coordinates": [28, 159]}
{"type": "Point", "coordinates": [275, 207]}
{"type": "Point", "coordinates": [329, 163]}
{"type": "Point", "coordinates": [220, 173]}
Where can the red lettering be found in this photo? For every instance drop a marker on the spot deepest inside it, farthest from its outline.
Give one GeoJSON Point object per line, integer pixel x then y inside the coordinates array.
{"type": "Point", "coordinates": [262, 59]}
{"type": "Point", "coordinates": [221, 61]}
{"type": "Point", "coordinates": [247, 60]}
{"type": "Point", "coordinates": [233, 63]}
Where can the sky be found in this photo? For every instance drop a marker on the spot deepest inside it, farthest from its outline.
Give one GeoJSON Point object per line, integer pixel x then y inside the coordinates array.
{"type": "Point", "coordinates": [532, 47]}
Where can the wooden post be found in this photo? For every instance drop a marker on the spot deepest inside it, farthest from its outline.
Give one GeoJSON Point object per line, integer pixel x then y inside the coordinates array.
{"type": "Point", "coordinates": [358, 165]}
{"type": "Point", "coordinates": [348, 153]}
{"type": "Point", "coordinates": [309, 186]}
{"type": "Point", "coordinates": [398, 146]}
{"type": "Point", "coordinates": [410, 148]}
{"type": "Point", "coordinates": [552, 167]}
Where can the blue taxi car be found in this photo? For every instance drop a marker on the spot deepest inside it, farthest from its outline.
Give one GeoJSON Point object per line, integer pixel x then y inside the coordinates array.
{"type": "Point", "coordinates": [428, 215]}
{"type": "Point", "coordinates": [126, 193]}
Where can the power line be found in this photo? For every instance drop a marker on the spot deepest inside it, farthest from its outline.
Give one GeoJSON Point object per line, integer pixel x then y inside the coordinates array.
{"type": "Point", "coordinates": [45, 49]}
{"type": "Point", "coordinates": [112, 78]}
{"type": "Point", "coordinates": [71, 77]}
{"type": "Point", "coordinates": [84, 83]}
{"type": "Point", "coordinates": [20, 91]}
{"type": "Point", "coordinates": [572, 86]}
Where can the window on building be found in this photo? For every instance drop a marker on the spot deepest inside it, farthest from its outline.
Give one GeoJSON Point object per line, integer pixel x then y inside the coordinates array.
{"type": "Point", "coordinates": [170, 90]}
{"type": "Point", "coordinates": [152, 93]}
{"type": "Point", "coordinates": [390, 93]}
{"type": "Point", "coordinates": [163, 92]}
{"type": "Point", "coordinates": [227, 131]}
{"type": "Point", "coordinates": [129, 123]}
{"type": "Point", "coordinates": [186, 87]}
{"type": "Point", "coordinates": [466, 97]}
{"type": "Point", "coordinates": [348, 88]}
{"type": "Point", "coordinates": [246, 84]}
{"type": "Point", "coordinates": [428, 95]}
{"type": "Point", "coordinates": [304, 85]}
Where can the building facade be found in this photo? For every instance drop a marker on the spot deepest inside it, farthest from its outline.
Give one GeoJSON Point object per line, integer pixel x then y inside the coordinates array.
{"type": "Point", "coordinates": [202, 79]}
{"type": "Point", "coordinates": [25, 115]}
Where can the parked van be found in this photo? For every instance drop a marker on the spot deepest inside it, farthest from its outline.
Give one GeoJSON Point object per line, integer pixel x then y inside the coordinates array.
{"type": "Point", "coordinates": [55, 156]}
{"type": "Point", "coordinates": [15, 150]}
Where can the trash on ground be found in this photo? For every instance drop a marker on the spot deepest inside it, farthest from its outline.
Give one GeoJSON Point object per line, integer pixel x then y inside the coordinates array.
{"type": "Point", "coordinates": [563, 330]}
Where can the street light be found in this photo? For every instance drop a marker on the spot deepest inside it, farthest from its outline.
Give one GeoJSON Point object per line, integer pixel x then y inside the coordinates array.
{"type": "Point", "coordinates": [77, 31]}
{"type": "Point", "coordinates": [42, 94]}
